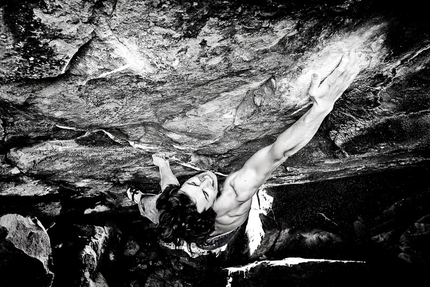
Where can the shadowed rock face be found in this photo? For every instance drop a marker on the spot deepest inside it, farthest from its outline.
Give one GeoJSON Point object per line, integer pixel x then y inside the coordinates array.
{"type": "Point", "coordinates": [89, 90]}
{"type": "Point", "coordinates": [24, 244]}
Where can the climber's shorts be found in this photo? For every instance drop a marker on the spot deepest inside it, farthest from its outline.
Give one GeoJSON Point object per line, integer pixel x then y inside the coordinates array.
{"type": "Point", "coordinates": [219, 240]}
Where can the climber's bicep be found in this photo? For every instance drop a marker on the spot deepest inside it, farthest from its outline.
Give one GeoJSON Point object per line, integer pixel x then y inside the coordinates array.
{"type": "Point", "coordinates": [255, 172]}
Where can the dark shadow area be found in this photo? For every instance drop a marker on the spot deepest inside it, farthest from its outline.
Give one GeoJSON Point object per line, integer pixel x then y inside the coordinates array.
{"type": "Point", "coordinates": [379, 219]}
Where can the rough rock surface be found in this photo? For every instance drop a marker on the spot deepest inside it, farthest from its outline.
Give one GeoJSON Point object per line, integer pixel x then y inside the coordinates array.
{"type": "Point", "coordinates": [25, 251]}
{"type": "Point", "coordinates": [79, 254]}
{"type": "Point", "coordinates": [90, 89]}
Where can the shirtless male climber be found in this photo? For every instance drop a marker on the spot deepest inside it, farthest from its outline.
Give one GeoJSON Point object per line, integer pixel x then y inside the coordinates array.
{"type": "Point", "coordinates": [202, 212]}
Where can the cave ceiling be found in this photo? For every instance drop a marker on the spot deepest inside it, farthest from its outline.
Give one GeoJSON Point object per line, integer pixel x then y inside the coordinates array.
{"type": "Point", "coordinates": [91, 89]}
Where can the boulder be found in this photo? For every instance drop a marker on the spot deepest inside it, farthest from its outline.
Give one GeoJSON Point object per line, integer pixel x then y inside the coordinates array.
{"type": "Point", "coordinates": [26, 252]}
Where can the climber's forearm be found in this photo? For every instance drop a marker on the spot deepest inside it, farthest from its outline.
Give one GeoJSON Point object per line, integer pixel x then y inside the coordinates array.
{"type": "Point", "coordinates": [299, 134]}
{"type": "Point", "coordinates": [167, 176]}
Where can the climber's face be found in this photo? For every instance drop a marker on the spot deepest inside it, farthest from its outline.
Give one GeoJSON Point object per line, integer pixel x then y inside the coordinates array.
{"type": "Point", "coordinates": [202, 189]}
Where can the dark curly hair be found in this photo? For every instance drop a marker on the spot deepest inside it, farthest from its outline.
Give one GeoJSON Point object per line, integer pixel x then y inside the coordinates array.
{"type": "Point", "coordinates": [179, 219]}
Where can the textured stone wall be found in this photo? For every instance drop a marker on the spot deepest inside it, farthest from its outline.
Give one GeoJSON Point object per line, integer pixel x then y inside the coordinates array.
{"type": "Point", "coordinates": [90, 89]}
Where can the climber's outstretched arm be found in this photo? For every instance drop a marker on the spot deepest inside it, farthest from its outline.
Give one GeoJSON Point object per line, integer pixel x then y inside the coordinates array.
{"type": "Point", "coordinates": [258, 168]}
{"type": "Point", "coordinates": [166, 174]}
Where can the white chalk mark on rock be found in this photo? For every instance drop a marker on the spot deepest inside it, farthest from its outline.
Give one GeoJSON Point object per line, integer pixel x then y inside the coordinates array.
{"type": "Point", "coordinates": [113, 72]}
